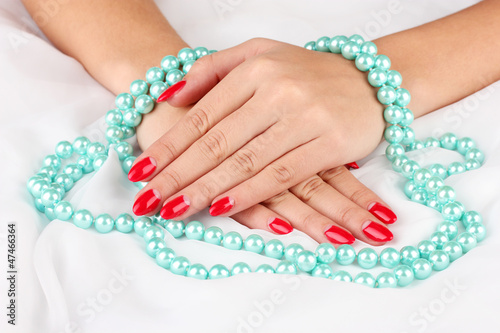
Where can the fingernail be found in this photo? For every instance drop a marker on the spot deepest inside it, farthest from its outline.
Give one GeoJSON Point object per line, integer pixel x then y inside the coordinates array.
{"type": "Point", "coordinates": [147, 202]}
{"type": "Point", "coordinates": [142, 169]}
{"type": "Point", "coordinates": [175, 207]}
{"type": "Point", "coordinates": [171, 91]}
{"type": "Point", "coordinates": [383, 213]}
{"type": "Point", "coordinates": [221, 206]}
{"type": "Point", "coordinates": [338, 235]}
{"type": "Point", "coordinates": [377, 232]}
{"type": "Point", "coordinates": [352, 165]}
{"type": "Point", "coordinates": [279, 226]}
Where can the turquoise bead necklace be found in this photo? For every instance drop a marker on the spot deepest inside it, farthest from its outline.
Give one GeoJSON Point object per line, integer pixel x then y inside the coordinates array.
{"type": "Point", "coordinates": [425, 185]}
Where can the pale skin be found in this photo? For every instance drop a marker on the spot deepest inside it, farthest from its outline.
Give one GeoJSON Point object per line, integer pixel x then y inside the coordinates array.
{"type": "Point", "coordinates": [293, 156]}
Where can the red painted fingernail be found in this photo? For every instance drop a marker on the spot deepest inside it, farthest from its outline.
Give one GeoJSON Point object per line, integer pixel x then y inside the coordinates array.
{"type": "Point", "coordinates": [147, 202]}
{"type": "Point", "coordinates": [339, 236]}
{"type": "Point", "coordinates": [377, 232]}
{"type": "Point", "coordinates": [352, 165]}
{"type": "Point", "coordinates": [171, 91]}
{"type": "Point", "coordinates": [142, 169]}
{"type": "Point", "coordinates": [383, 213]}
{"type": "Point", "coordinates": [175, 207]}
{"type": "Point", "coordinates": [221, 206]}
{"type": "Point", "coordinates": [279, 226]}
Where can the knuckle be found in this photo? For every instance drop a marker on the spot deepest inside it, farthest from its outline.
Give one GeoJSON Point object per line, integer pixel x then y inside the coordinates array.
{"type": "Point", "coordinates": [214, 146]}
{"type": "Point", "coordinates": [198, 123]}
{"type": "Point", "coordinates": [310, 189]}
{"type": "Point", "coordinates": [168, 150]}
{"type": "Point", "coordinates": [347, 214]}
{"type": "Point", "coordinates": [171, 178]}
{"type": "Point", "coordinates": [245, 161]}
{"type": "Point", "coordinates": [282, 175]}
{"type": "Point", "coordinates": [310, 219]}
{"type": "Point", "coordinates": [332, 174]}
{"type": "Point", "coordinates": [208, 190]}
{"type": "Point", "coordinates": [277, 199]}
{"type": "Point", "coordinates": [360, 194]}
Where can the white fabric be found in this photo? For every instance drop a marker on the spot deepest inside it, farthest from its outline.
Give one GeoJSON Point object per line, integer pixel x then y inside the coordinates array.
{"type": "Point", "coordinates": [74, 280]}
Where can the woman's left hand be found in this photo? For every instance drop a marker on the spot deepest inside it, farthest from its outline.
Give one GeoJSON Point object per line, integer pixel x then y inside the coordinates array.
{"type": "Point", "coordinates": [279, 115]}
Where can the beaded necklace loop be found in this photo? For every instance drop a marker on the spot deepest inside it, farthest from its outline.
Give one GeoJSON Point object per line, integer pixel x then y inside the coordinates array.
{"type": "Point", "coordinates": [426, 186]}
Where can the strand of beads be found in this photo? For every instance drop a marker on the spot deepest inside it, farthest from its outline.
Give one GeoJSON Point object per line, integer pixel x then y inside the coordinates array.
{"type": "Point", "coordinates": [425, 185]}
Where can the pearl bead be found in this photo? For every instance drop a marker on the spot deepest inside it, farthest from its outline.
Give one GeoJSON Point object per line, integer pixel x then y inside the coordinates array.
{"type": "Point", "coordinates": [470, 217]}
{"type": "Point", "coordinates": [386, 95]}
{"type": "Point", "coordinates": [174, 76]}
{"type": "Point", "coordinates": [95, 149]}
{"type": "Point", "coordinates": [383, 62]}
{"type": "Point", "coordinates": [467, 241]}
{"type": "Point", "coordinates": [141, 224]}
{"type": "Point", "coordinates": [476, 154]}
{"type": "Point", "coordinates": [472, 164]}
{"type": "Point", "coordinates": [439, 260]}
{"type": "Point", "coordinates": [350, 50]}
{"type": "Point", "coordinates": [274, 249]}
{"type": "Point", "coordinates": [179, 265]}
{"type": "Point", "coordinates": [389, 257]}
{"type": "Point", "coordinates": [403, 97]}
{"type": "Point", "coordinates": [254, 243]}
{"type": "Point", "coordinates": [144, 104]}
{"type": "Point", "coordinates": [86, 163]}
{"type": "Point", "coordinates": [323, 44]}
{"type": "Point", "coordinates": [187, 66]}
{"type": "Point", "coordinates": [438, 170]}
{"type": "Point", "coordinates": [138, 87]}
{"type": "Point", "coordinates": [63, 211]}
{"type": "Point", "coordinates": [394, 150]}
{"type": "Point", "coordinates": [398, 161]}
{"type": "Point", "coordinates": [200, 52]}
{"type": "Point", "coordinates": [99, 161]}
{"type": "Point", "coordinates": [123, 150]}
{"type": "Point", "coordinates": [407, 117]}
{"type": "Point", "coordinates": [239, 268]}
{"type": "Point", "coordinates": [83, 218]}
{"type": "Point", "coordinates": [408, 136]}
{"type": "Point", "coordinates": [455, 168]}
{"type": "Point", "coordinates": [409, 254]}
{"type": "Point", "coordinates": [393, 134]}
{"type": "Point", "coordinates": [186, 54]}
{"type": "Point", "coordinates": [404, 275]}
{"type": "Point", "coordinates": [345, 254]}
{"type": "Point", "coordinates": [311, 46]}
{"type": "Point", "coordinates": [425, 248]}
{"type": "Point", "coordinates": [432, 142]}
{"type": "Point", "coordinates": [197, 271]}
{"type": "Point", "coordinates": [452, 211]}
{"type": "Point", "coordinates": [422, 269]}
{"type": "Point", "coordinates": [364, 62]}
{"type": "Point", "coordinates": [124, 223]}
{"type": "Point", "coordinates": [154, 245]}
{"type": "Point", "coordinates": [367, 258]}
{"type": "Point", "coordinates": [306, 261]}
{"type": "Point", "coordinates": [393, 114]}
{"type": "Point", "coordinates": [80, 145]}
{"type": "Point", "coordinates": [265, 268]}
{"type": "Point", "coordinates": [50, 214]}
{"type": "Point", "coordinates": [194, 230]}
{"type": "Point", "coordinates": [365, 279]}
{"type": "Point", "coordinates": [325, 253]}
{"type": "Point", "coordinates": [50, 197]}
{"type": "Point", "coordinates": [113, 134]}
{"type": "Point", "coordinates": [128, 132]}
{"type": "Point", "coordinates": [464, 144]}
{"type": "Point", "coordinates": [419, 196]}
{"type": "Point", "coordinates": [157, 89]}
{"type": "Point", "coordinates": [153, 232]}
{"type": "Point", "coordinates": [164, 257]}
{"type": "Point", "coordinates": [292, 250]}
{"type": "Point", "coordinates": [394, 78]}
{"type": "Point", "coordinates": [169, 62]}
{"type": "Point", "coordinates": [453, 249]}
{"type": "Point", "coordinates": [322, 270]}
{"type": "Point", "coordinates": [357, 39]}
{"type": "Point", "coordinates": [53, 161]}
{"type": "Point", "coordinates": [213, 235]}
{"type": "Point", "coordinates": [336, 44]}
{"type": "Point", "coordinates": [439, 239]}
{"type": "Point", "coordinates": [232, 241]}
{"type": "Point", "coordinates": [218, 271]}
{"type": "Point", "coordinates": [448, 141]}
{"type": "Point", "coordinates": [286, 267]}
{"type": "Point", "coordinates": [154, 74]}
{"type": "Point", "coordinates": [124, 101]}
{"type": "Point", "coordinates": [38, 187]}
{"type": "Point", "coordinates": [386, 280]}
{"type": "Point", "coordinates": [104, 223]}
{"type": "Point", "coordinates": [342, 276]}
{"type": "Point", "coordinates": [421, 177]}
{"type": "Point", "coordinates": [410, 188]}
{"type": "Point", "coordinates": [369, 47]}
{"type": "Point", "coordinates": [175, 228]}
{"type": "Point", "coordinates": [433, 184]}
{"type": "Point", "coordinates": [445, 194]}
{"type": "Point", "coordinates": [377, 77]}
{"type": "Point", "coordinates": [448, 228]}
{"type": "Point", "coordinates": [475, 229]}
{"type": "Point", "coordinates": [409, 168]}
{"type": "Point", "coordinates": [132, 118]}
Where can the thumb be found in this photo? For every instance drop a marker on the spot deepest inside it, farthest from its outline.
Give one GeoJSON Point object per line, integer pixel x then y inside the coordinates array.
{"type": "Point", "coordinates": [211, 69]}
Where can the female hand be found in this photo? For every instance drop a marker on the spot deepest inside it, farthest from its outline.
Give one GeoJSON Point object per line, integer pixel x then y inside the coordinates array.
{"type": "Point", "coordinates": [330, 207]}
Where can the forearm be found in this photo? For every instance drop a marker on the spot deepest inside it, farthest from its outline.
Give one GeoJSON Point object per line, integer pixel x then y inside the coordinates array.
{"type": "Point", "coordinates": [448, 59]}
{"type": "Point", "coordinates": [116, 41]}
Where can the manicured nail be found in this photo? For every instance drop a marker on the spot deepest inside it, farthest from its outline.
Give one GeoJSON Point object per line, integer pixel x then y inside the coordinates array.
{"type": "Point", "coordinates": [147, 202]}
{"type": "Point", "coordinates": [142, 169]}
{"type": "Point", "coordinates": [221, 206]}
{"type": "Point", "coordinates": [175, 207]}
{"type": "Point", "coordinates": [352, 165]}
{"type": "Point", "coordinates": [279, 226]}
{"type": "Point", "coordinates": [383, 213]}
{"type": "Point", "coordinates": [377, 232]}
{"type": "Point", "coordinates": [171, 91]}
{"type": "Point", "coordinates": [339, 236]}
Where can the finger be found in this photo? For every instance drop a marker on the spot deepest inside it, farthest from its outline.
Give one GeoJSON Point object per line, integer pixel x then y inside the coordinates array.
{"type": "Point", "coordinates": [285, 172]}
{"type": "Point", "coordinates": [243, 164]}
{"type": "Point", "coordinates": [261, 217]}
{"type": "Point", "coordinates": [329, 202]}
{"type": "Point", "coordinates": [347, 184]}
{"type": "Point", "coordinates": [211, 69]}
{"type": "Point", "coordinates": [306, 219]}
